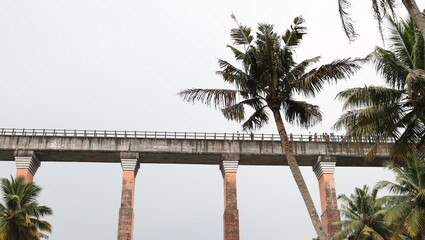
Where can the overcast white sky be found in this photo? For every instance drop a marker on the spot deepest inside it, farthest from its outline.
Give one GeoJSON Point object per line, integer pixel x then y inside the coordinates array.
{"type": "Point", "coordinates": [118, 65]}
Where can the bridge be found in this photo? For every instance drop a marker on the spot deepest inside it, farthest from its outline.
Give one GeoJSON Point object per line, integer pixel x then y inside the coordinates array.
{"type": "Point", "coordinates": [30, 147]}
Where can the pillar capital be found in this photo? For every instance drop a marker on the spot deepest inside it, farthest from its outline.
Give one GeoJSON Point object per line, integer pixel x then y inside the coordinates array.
{"type": "Point", "coordinates": [229, 163]}
{"type": "Point", "coordinates": [130, 164]}
{"type": "Point", "coordinates": [324, 164]}
{"type": "Point", "coordinates": [27, 159]}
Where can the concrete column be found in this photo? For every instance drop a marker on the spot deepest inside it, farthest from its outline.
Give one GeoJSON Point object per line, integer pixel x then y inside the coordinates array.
{"type": "Point", "coordinates": [130, 165]}
{"type": "Point", "coordinates": [228, 168]}
{"type": "Point", "coordinates": [324, 170]}
{"type": "Point", "coordinates": [27, 164]}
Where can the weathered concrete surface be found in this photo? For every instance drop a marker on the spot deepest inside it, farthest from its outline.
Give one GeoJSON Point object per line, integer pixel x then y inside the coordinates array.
{"type": "Point", "coordinates": [184, 151]}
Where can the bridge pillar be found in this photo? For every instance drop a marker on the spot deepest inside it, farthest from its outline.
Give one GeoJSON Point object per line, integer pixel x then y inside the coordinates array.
{"type": "Point", "coordinates": [229, 167]}
{"type": "Point", "coordinates": [27, 164]}
{"type": "Point", "coordinates": [130, 165]}
{"type": "Point", "coordinates": [324, 170]}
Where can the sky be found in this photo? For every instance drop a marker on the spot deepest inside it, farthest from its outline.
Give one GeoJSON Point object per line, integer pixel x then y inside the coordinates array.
{"type": "Point", "coordinates": [118, 65]}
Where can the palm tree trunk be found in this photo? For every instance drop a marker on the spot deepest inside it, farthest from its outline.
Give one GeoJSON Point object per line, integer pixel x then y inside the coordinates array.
{"type": "Point", "coordinates": [416, 14]}
{"type": "Point", "coordinates": [293, 165]}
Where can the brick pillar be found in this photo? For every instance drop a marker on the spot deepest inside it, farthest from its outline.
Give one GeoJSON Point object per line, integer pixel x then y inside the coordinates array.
{"type": "Point", "coordinates": [130, 165]}
{"type": "Point", "coordinates": [228, 168]}
{"type": "Point", "coordinates": [27, 164]}
{"type": "Point", "coordinates": [324, 170]}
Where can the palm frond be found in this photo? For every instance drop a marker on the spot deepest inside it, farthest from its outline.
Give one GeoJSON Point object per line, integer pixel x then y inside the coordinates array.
{"type": "Point", "coordinates": [301, 113]}
{"type": "Point", "coordinates": [237, 111]}
{"type": "Point", "coordinates": [219, 98]}
{"type": "Point", "coordinates": [347, 21]}
{"type": "Point", "coordinates": [402, 40]}
{"type": "Point", "coordinates": [257, 120]}
{"type": "Point", "coordinates": [242, 34]}
{"type": "Point", "coordinates": [369, 97]}
{"type": "Point", "coordinates": [294, 35]}
{"type": "Point", "coordinates": [388, 66]}
{"type": "Point", "coordinates": [313, 82]}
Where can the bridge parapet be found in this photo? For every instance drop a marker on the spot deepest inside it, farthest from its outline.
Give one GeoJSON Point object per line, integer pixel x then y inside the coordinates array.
{"type": "Point", "coordinates": [176, 135]}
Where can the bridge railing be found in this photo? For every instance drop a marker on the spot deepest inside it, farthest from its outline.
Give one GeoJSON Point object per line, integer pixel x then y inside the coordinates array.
{"type": "Point", "coordinates": [177, 135]}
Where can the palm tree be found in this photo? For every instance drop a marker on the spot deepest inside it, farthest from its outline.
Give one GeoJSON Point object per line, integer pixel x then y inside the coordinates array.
{"type": "Point", "coordinates": [21, 212]}
{"type": "Point", "coordinates": [397, 111]}
{"type": "Point", "coordinates": [408, 212]}
{"type": "Point", "coordinates": [364, 216]}
{"type": "Point", "coordinates": [381, 9]}
{"type": "Point", "coordinates": [270, 79]}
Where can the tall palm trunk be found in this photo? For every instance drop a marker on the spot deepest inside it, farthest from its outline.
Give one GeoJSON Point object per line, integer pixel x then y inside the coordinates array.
{"type": "Point", "coordinates": [416, 14]}
{"type": "Point", "coordinates": [293, 165]}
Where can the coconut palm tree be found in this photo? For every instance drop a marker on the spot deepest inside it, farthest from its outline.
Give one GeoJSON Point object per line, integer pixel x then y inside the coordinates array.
{"type": "Point", "coordinates": [363, 215]}
{"type": "Point", "coordinates": [20, 212]}
{"type": "Point", "coordinates": [397, 111]}
{"type": "Point", "coordinates": [270, 80]}
{"type": "Point", "coordinates": [408, 212]}
{"type": "Point", "coordinates": [381, 9]}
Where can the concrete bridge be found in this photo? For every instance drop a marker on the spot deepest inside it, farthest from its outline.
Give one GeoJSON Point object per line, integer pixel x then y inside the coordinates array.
{"type": "Point", "coordinates": [30, 147]}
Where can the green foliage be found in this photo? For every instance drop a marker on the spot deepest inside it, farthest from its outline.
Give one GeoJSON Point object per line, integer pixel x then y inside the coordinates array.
{"type": "Point", "coordinates": [408, 204]}
{"type": "Point", "coordinates": [363, 215]}
{"type": "Point", "coordinates": [394, 112]}
{"type": "Point", "coordinates": [270, 78]}
{"type": "Point", "coordinates": [21, 212]}
{"type": "Point", "coordinates": [399, 215]}
{"type": "Point", "coordinates": [380, 9]}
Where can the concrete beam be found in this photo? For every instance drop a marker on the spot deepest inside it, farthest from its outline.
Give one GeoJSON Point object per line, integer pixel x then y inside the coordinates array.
{"type": "Point", "coordinates": [185, 151]}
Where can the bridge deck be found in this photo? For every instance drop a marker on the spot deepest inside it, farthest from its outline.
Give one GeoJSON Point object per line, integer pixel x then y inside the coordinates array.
{"type": "Point", "coordinates": [172, 150]}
